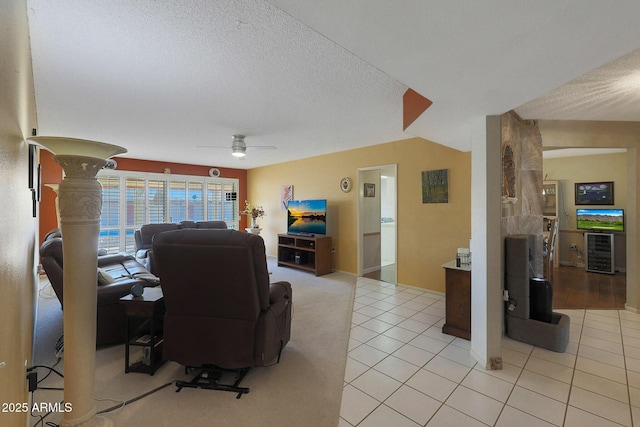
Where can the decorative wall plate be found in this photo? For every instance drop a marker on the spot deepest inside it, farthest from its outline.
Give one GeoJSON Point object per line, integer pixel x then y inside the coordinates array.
{"type": "Point", "coordinates": [214, 172]}
{"type": "Point", "coordinates": [345, 184]}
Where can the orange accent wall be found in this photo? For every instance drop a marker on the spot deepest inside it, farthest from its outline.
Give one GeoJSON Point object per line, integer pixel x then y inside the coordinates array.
{"type": "Point", "coordinates": [52, 174]}
{"type": "Point", "coordinates": [413, 105]}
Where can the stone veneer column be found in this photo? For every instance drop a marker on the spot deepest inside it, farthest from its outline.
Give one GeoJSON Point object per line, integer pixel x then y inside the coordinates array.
{"type": "Point", "coordinates": [80, 202]}
{"type": "Point", "coordinates": [522, 180]}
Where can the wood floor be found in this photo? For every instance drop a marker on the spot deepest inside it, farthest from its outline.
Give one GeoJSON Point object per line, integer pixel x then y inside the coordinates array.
{"type": "Point", "coordinates": [385, 274]}
{"type": "Point", "coordinates": [574, 287]}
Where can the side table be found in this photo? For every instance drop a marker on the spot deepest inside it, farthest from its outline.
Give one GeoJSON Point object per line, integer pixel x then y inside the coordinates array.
{"type": "Point", "coordinates": [457, 300]}
{"type": "Point", "coordinates": [150, 308]}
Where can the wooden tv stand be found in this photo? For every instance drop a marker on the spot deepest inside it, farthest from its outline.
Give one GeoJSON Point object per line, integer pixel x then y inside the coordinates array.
{"type": "Point", "coordinates": [306, 253]}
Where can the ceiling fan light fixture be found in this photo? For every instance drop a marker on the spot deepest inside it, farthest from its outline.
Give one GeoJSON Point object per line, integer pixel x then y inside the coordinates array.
{"type": "Point", "coordinates": [238, 152]}
{"type": "Point", "coordinates": [238, 147]}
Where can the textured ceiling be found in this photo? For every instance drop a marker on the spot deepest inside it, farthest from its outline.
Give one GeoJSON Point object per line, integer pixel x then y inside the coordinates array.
{"type": "Point", "coordinates": [611, 92]}
{"type": "Point", "coordinates": [162, 77]}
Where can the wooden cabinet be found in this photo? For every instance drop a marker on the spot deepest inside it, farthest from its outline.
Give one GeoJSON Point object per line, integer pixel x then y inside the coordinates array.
{"type": "Point", "coordinates": [550, 198]}
{"type": "Point", "coordinates": [458, 300]}
{"type": "Point", "coordinates": [311, 253]}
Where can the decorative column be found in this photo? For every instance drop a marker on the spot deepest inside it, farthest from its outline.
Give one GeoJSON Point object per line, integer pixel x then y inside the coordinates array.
{"type": "Point", "coordinates": [80, 202]}
{"type": "Point", "coordinates": [55, 188]}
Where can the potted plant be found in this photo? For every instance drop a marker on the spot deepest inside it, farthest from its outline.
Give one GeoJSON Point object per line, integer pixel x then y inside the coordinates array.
{"type": "Point", "coordinates": [254, 212]}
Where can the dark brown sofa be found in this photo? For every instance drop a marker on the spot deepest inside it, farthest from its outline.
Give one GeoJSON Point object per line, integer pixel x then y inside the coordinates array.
{"type": "Point", "coordinates": [221, 309]}
{"type": "Point", "coordinates": [144, 237]}
{"type": "Point", "coordinates": [117, 273]}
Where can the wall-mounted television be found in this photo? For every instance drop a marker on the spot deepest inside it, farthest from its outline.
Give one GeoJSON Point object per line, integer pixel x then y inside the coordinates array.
{"type": "Point", "coordinates": [307, 217]}
{"type": "Point", "coordinates": [607, 220]}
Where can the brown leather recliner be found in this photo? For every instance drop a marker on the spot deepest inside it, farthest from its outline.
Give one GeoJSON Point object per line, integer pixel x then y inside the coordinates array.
{"type": "Point", "coordinates": [116, 274]}
{"type": "Point", "coordinates": [221, 310]}
{"type": "Point", "coordinates": [144, 237]}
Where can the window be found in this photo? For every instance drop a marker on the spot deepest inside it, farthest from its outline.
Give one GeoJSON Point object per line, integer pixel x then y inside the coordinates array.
{"type": "Point", "coordinates": [131, 199]}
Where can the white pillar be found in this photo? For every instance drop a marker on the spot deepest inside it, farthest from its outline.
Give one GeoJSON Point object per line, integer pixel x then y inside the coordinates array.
{"type": "Point", "coordinates": [486, 242]}
{"type": "Point", "coordinates": [80, 201]}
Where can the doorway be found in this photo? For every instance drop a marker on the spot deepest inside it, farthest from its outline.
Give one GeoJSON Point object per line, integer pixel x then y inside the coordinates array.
{"type": "Point", "coordinates": [573, 286]}
{"type": "Point", "coordinates": [377, 223]}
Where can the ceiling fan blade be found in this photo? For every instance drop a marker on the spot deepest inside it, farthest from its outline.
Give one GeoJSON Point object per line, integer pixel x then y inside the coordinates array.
{"type": "Point", "coordinates": [239, 148]}
{"type": "Point", "coordinates": [262, 147]}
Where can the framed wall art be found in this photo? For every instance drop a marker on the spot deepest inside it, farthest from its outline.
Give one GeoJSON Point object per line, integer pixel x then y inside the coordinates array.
{"type": "Point", "coordinates": [286, 194]}
{"type": "Point", "coordinates": [369, 190]}
{"type": "Point", "coordinates": [594, 193]}
{"type": "Point", "coordinates": [435, 186]}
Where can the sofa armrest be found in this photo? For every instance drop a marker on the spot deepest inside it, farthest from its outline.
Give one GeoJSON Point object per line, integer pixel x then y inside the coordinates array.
{"type": "Point", "coordinates": [149, 279]}
{"type": "Point", "coordinates": [279, 296]}
{"type": "Point", "coordinates": [142, 253]}
{"type": "Point", "coordinates": [278, 291]}
{"type": "Point", "coordinates": [119, 258]}
{"type": "Point", "coordinates": [111, 293]}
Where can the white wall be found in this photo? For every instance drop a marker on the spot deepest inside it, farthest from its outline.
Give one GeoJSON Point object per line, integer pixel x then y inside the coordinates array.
{"type": "Point", "coordinates": [18, 228]}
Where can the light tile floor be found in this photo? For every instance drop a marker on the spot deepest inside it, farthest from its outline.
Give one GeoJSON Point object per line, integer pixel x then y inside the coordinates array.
{"type": "Point", "coordinates": [403, 371]}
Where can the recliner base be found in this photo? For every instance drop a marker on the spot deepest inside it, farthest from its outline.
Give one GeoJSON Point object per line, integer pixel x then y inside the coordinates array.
{"type": "Point", "coordinates": [208, 377]}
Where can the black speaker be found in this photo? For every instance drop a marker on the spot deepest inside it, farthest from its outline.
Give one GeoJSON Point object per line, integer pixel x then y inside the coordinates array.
{"type": "Point", "coordinates": [540, 299]}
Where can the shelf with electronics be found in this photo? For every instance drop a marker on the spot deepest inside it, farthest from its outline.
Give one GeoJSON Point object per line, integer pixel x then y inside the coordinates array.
{"type": "Point", "coordinates": [306, 245]}
{"type": "Point", "coordinates": [311, 253]}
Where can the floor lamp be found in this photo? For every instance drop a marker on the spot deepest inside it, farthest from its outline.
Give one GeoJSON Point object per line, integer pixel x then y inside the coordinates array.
{"type": "Point", "coordinates": [80, 204]}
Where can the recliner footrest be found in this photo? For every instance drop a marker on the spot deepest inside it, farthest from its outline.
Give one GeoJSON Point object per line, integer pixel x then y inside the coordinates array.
{"type": "Point", "coordinates": [208, 377]}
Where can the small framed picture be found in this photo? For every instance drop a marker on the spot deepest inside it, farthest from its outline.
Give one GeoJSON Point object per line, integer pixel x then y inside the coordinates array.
{"type": "Point", "coordinates": [369, 190]}
{"type": "Point", "coordinates": [286, 194]}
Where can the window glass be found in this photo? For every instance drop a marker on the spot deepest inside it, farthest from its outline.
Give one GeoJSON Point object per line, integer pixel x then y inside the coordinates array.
{"type": "Point", "coordinates": [132, 199]}
{"type": "Point", "coordinates": [157, 205]}
{"type": "Point", "coordinates": [195, 201]}
{"type": "Point", "coordinates": [136, 201]}
{"type": "Point", "coordinates": [215, 198]}
{"type": "Point", "coordinates": [177, 201]}
{"type": "Point", "coordinates": [109, 237]}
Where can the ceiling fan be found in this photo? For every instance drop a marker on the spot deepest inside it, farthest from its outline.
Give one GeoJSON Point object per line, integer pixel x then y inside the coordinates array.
{"type": "Point", "coordinates": [239, 148]}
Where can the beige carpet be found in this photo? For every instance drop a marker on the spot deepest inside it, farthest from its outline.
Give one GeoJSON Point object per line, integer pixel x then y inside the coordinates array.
{"type": "Point", "coordinates": [305, 389]}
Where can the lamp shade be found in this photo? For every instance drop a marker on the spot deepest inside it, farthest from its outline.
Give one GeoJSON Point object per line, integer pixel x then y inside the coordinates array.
{"type": "Point", "coordinates": [77, 147]}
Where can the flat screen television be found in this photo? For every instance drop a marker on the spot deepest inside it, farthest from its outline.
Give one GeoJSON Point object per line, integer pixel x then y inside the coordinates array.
{"type": "Point", "coordinates": [600, 219]}
{"type": "Point", "coordinates": [307, 217]}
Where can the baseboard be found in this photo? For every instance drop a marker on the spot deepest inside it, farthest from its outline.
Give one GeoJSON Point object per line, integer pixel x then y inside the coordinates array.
{"type": "Point", "coordinates": [371, 269]}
